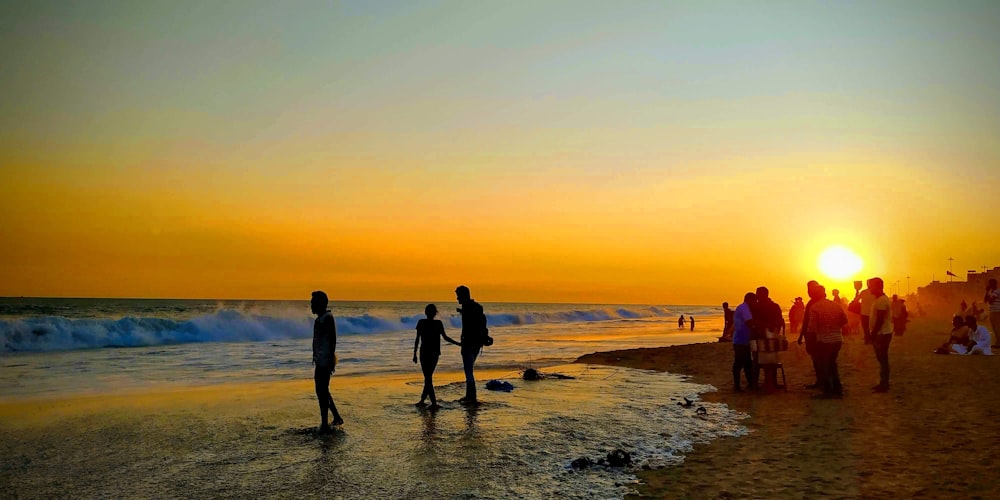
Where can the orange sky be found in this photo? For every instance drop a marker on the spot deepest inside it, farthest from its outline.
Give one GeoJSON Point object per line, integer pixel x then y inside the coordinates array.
{"type": "Point", "coordinates": [598, 160]}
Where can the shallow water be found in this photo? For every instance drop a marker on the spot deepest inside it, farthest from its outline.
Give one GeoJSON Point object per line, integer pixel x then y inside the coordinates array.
{"type": "Point", "coordinates": [517, 444]}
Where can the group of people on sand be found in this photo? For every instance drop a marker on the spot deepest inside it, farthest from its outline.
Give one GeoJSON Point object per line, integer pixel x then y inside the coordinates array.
{"type": "Point", "coordinates": [967, 336]}
{"type": "Point", "coordinates": [758, 321]}
{"type": "Point", "coordinates": [820, 323]}
{"type": "Point", "coordinates": [430, 331]}
{"type": "Point", "coordinates": [823, 327]}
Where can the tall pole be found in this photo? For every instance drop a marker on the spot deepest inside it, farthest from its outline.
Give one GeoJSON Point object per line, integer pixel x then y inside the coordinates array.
{"type": "Point", "coordinates": [950, 273]}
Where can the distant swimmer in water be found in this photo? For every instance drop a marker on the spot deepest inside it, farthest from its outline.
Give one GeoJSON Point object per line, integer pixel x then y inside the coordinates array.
{"type": "Point", "coordinates": [324, 357]}
{"type": "Point", "coordinates": [429, 333]}
{"type": "Point", "coordinates": [680, 322]}
{"type": "Point", "coordinates": [691, 320]}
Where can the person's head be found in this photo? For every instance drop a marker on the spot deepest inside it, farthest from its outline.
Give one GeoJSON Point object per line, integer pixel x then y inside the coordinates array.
{"type": "Point", "coordinates": [762, 293]}
{"type": "Point", "coordinates": [810, 286]}
{"type": "Point", "coordinates": [817, 292]}
{"type": "Point", "coordinates": [957, 321]}
{"type": "Point", "coordinates": [835, 292]}
{"type": "Point", "coordinates": [431, 310]}
{"type": "Point", "coordinates": [725, 305]}
{"type": "Point", "coordinates": [895, 297]}
{"type": "Point", "coordinates": [877, 286]}
{"type": "Point", "coordinates": [970, 321]}
{"type": "Point", "coordinates": [798, 299]}
{"type": "Point", "coordinates": [749, 298]}
{"type": "Point", "coordinates": [463, 294]}
{"type": "Point", "coordinates": [319, 302]}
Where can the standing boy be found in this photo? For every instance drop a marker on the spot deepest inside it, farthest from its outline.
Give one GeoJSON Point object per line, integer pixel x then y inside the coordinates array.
{"type": "Point", "coordinates": [324, 357]}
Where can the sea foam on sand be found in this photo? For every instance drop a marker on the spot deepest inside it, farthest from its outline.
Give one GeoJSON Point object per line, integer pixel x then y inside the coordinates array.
{"type": "Point", "coordinates": [260, 439]}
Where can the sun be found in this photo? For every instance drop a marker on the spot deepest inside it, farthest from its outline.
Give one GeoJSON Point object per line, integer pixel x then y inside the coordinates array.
{"type": "Point", "coordinates": [839, 263]}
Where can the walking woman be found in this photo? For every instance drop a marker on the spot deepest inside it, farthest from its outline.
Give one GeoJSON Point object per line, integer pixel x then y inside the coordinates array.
{"type": "Point", "coordinates": [429, 331]}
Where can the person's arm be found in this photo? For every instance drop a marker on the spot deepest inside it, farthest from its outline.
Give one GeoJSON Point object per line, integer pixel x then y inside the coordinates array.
{"type": "Point", "coordinates": [333, 343]}
{"type": "Point", "coordinates": [416, 343]}
{"type": "Point", "coordinates": [449, 339]}
{"type": "Point", "coordinates": [805, 324]}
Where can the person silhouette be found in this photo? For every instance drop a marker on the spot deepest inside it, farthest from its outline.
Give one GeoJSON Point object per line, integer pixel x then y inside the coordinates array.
{"type": "Point", "coordinates": [742, 331]}
{"type": "Point", "coordinates": [680, 322]}
{"type": "Point", "coordinates": [474, 335]}
{"type": "Point", "coordinates": [691, 320]}
{"type": "Point", "coordinates": [324, 348]}
{"type": "Point", "coordinates": [881, 317]}
{"type": "Point", "coordinates": [727, 329]}
{"type": "Point", "coordinates": [430, 330]}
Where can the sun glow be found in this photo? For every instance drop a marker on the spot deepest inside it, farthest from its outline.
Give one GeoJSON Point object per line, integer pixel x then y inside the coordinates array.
{"type": "Point", "coordinates": [839, 263]}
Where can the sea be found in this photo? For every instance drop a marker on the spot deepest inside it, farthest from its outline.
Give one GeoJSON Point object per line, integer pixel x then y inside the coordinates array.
{"type": "Point", "coordinates": [516, 444]}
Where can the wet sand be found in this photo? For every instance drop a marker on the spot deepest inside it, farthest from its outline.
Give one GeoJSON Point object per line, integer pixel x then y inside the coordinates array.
{"type": "Point", "coordinates": [253, 440]}
{"type": "Point", "coordinates": [934, 435]}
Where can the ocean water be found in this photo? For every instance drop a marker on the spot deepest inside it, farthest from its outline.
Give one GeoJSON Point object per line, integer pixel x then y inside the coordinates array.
{"type": "Point", "coordinates": [517, 444]}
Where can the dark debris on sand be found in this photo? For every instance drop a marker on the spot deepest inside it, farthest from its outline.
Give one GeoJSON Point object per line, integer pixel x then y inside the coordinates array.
{"type": "Point", "coordinates": [532, 374]}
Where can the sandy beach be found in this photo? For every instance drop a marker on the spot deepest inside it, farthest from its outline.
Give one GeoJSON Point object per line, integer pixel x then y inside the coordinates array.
{"type": "Point", "coordinates": [934, 435]}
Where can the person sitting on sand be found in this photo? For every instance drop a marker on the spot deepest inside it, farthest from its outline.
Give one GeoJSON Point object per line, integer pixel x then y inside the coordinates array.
{"type": "Point", "coordinates": [958, 339]}
{"type": "Point", "coordinates": [324, 357]}
{"type": "Point", "coordinates": [979, 337]}
{"type": "Point", "coordinates": [430, 330]}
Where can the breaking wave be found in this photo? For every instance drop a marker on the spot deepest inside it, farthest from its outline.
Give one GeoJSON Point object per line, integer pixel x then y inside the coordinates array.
{"type": "Point", "coordinates": [58, 333]}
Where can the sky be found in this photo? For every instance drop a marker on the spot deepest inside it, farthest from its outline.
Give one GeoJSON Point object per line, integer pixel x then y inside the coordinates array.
{"type": "Point", "coordinates": [665, 152]}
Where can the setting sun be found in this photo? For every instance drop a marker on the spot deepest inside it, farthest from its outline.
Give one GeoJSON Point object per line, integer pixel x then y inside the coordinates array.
{"type": "Point", "coordinates": [839, 263]}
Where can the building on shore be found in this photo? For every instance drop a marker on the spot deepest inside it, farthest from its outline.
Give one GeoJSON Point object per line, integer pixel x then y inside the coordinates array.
{"type": "Point", "coordinates": [952, 293]}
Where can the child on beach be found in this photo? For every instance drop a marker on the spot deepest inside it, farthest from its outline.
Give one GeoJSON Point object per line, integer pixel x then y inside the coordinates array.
{"type": "Point", "coordinates": [324, 357]}
{"type": "Point", "coordinates": [430, 330]}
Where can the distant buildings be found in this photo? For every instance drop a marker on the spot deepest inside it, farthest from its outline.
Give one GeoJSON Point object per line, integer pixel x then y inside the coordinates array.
{"type": "Point", "coordinates": [952, 293]}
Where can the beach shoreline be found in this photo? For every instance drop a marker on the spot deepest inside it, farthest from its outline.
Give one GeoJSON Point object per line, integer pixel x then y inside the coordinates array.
{"type": "Point", "coordinates": [932, 435]}
{"type": "Point", "coordinates": [918, 440]}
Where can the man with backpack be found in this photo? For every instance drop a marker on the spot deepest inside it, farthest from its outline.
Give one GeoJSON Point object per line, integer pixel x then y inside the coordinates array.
{"type": "Point", "coordinates": [474, 337]}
